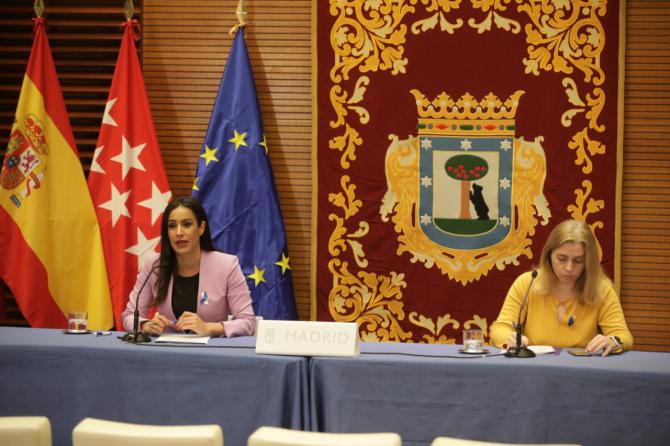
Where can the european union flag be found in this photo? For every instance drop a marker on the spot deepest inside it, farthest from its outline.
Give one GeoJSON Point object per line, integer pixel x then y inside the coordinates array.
{"type": "Point", "coordinates": [234, 182]}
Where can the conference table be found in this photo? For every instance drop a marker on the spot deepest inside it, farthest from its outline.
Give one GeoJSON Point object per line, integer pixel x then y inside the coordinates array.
{"type": "Point", "coordinates": [69, 377]}
{"type": "Point", "coordinates": [420, 391]}
{"type": "Point", "coordinates": [424, 391]}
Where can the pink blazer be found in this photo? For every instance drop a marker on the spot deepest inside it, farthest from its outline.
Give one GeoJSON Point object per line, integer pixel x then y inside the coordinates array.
{"type": "Point", "coordinates": [221, 281]}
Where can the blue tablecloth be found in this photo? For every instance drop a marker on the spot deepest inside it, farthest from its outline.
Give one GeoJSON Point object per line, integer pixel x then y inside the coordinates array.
{"type": "Point", "coordinates": [70, 377]}
{"type": "Point", "coordinates": [618, 400]}
{"type": "Point", "coordinates": [415, 390]}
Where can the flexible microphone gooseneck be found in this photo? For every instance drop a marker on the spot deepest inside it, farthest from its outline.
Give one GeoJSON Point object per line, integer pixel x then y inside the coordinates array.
{"type": "Point", "coordinates": [519, 351]}
{"type": "Point", "coordinates": [136, 336]}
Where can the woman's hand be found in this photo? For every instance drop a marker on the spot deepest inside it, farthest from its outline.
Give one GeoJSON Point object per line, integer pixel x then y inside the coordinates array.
{"type": "Point", "coordinates": [511, 341]}
{"type": "Point", "coordinates": [156, 325]}
{"type": "Point", "coordinates": [600, 343]}
{"type": "Point", "coordinates": [191, 321]}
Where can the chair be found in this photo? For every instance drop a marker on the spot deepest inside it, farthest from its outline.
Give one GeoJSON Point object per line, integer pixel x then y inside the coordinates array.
{"type": "Point", "coordinates": [448, 441]}
{"type": "Point", "coordinates": [25, 431]}
{"type": "Point", "coordinates": [275, 436]}
{"type": "Point", "coordinates": [95, 432]}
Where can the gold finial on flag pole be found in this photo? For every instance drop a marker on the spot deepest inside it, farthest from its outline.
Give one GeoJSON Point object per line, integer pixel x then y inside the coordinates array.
{"type": "Point", "coordinates": [129, 9]}
{"type": "Point", "coordinates": [241, 13]}
{"type": "Point", "coordinates": [39, 8]}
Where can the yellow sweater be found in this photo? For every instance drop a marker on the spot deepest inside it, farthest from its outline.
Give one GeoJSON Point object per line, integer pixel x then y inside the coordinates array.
{"type": "Point", "coordinates": [543, 326]}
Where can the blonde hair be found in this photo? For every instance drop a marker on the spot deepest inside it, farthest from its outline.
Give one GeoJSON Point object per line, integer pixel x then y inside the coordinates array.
{"type": "Point", "coordinates": [589, 283]}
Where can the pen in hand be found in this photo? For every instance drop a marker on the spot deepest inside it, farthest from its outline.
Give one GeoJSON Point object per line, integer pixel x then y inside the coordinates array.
{"type": "Point", "coordinates": [174, 323]}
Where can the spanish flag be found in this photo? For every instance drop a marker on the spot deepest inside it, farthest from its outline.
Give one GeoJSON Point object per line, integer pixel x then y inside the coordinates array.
{"type": "Point", "coordinates": [50, 249]}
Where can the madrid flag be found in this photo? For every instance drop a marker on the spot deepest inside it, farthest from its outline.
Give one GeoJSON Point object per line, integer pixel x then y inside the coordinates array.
{"type": "Point", "coordinates": [50, 249]}
{"type": "Point", "coordinates": [127, 179]}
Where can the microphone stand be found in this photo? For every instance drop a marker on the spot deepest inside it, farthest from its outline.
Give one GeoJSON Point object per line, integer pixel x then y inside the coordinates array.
{"type": "Point", "coordinates": [136, 336]}
{"type": "Point", "coordinates": [519, 351]}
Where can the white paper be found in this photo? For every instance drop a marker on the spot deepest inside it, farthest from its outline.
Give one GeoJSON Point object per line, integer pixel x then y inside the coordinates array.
{"type": "Point", "coordinates": [183, 338]}
{"type": "Point", "coordinates": [541, 349]}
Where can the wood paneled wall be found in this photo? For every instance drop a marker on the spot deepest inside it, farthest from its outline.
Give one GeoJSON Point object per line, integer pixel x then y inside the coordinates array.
{"type": "Point", "coordinates": [645, 253]}
{"type": "Point", "coordinates": [185, 47]}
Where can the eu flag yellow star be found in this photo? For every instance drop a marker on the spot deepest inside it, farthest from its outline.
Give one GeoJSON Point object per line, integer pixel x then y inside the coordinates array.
{"type": "Point", "coordinates": [238, 140]}
{"type": "Point", "coordinates": [209, 155]}
{"type": "Point", "coordinates": [264, 144]}
{"type": "Point", "coordinates": [195, 183]}
{"type": "Point", "coordinates": [257, 275]}
{"type": "Point", "coordinates": [283, 263]}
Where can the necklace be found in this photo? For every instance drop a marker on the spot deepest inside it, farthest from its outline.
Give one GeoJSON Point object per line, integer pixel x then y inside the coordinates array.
{"type": "Point", "coordinates": [560, 311]}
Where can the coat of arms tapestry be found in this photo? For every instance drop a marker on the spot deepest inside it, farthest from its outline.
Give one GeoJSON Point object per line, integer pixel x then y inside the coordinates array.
{"type": "Point", "coordinates": [451, 136]}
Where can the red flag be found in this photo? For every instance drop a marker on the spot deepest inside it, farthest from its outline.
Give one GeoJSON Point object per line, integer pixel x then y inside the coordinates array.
{"type": "Point", "coordinates": [50, 249]}
{"type": "Point", "coordinates": [127, 180]}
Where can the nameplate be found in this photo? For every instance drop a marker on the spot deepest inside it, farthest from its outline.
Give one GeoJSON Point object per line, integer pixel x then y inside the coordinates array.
{"type": "Point", "coordinates": [307, 338]}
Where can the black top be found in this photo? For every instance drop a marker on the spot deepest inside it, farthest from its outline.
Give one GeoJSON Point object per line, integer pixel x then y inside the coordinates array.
{"type": "Point", "coordinates": [185, 294]}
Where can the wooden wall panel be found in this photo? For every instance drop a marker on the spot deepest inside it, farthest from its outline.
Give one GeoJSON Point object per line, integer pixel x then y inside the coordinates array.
{"type": "Point", "coordinates": [186, 45]}
{"type": "Point", "coordinates": [645, 270]}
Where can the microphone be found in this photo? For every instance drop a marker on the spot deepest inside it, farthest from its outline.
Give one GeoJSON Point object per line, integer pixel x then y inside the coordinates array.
{"type": "Point", "coordinates": [136, 336]}
{"type": "Point", "coordinates": [518, 351]}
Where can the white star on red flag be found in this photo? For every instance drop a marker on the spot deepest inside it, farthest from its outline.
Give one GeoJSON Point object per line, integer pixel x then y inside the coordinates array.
{"type": "Point", "coordinates": [127, 178]}
{"type": "Point", "coordinates": [143, 247]}
{"type": "Point", "coordinates": [129, 157]}
{"type": "Point", "coordinates": [117, 204]}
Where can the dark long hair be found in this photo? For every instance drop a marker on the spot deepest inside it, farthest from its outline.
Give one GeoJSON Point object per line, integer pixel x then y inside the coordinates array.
{"type": "Point", "coordinates": [167, 261]}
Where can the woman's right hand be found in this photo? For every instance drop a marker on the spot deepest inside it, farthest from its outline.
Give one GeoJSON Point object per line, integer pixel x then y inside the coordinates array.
{"type": "Point", "coordinates": [156, 325]}
{"type": "Point", "coordinates": [511, 341]}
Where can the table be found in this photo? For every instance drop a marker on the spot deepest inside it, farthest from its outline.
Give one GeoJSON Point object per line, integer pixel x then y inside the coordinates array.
{"type": "Point", "coordinates": [618, 400]}
{"type": "Point", "coordinates": [70, 377]}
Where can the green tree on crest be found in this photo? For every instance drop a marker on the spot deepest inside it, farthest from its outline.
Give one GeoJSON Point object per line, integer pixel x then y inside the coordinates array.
{"type": "Point", "coordinates": [466, 168]}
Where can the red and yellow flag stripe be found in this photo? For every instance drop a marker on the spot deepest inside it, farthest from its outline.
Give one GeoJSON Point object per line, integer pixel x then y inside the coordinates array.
{"type": "Point", "coordinates": [50, 248]}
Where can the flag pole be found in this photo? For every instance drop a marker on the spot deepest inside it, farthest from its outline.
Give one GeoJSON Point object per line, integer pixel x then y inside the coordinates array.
{"type": "Point", "coordinates": [241, 13]}
{"type": "Point", "coordinates": [39, 8]}
{"type": "Point", "coordinates": [129, 9]}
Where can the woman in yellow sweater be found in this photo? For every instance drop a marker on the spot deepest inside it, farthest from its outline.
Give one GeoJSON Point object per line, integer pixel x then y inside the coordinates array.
{"type": "Point", "coordinates": [572, 303]}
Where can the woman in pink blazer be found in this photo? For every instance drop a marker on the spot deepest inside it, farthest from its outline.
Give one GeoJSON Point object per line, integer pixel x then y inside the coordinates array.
{"type": "Point", "coordinates": [193, 286]}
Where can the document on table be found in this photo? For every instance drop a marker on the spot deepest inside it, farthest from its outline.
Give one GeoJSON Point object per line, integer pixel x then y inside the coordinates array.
{"type": "Point", "coordinates": [183, 338]}
{"type": "Point", "coordinates": [541, 349]}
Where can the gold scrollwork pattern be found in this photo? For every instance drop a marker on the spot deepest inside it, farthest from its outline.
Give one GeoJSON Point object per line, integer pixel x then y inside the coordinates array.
{"type": "Point", "coordinates": [346, 144]}
{"type": "Point", "coordinates": [493, 7]}
{"type": "Point", "coordinates": [478, 322]}
{"type": "Point", "coordinates": [585, 148]}
{"type": "Point", "coordinates": [372, 300]}
{"type": "Point", "coordinates": [564, 34]}
{"type": "Point", "coordinates": [441, 8]}
{"type": "Point", "coordinates": [434, 328]}
{"type": "Point", "coordinates": [350, 206]}
{"type": "Point", "coordinates": [338, 99]}
{"type": "Point", "coordinates": [369, 35]}
{"type": "Point", "coordinates": [584, 206]}
{"type": "Point", "coordinates": [581, 142]}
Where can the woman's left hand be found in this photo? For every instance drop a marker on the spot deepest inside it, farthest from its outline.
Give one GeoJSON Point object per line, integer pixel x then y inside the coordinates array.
{"type": "Point", "coordinates": [600, 343]}
{"type": "Point", "coordinates": [191, 321]}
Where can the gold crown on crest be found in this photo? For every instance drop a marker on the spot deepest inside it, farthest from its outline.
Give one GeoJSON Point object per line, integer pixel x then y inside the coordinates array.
{"type": "Point", "coordinates": [467, 107]}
